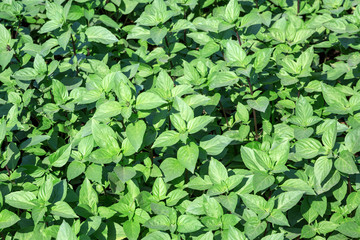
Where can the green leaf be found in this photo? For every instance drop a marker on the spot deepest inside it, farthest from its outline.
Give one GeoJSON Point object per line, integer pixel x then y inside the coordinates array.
{"type": "Point", "coordinates": [307, 148]}
{"type": "Point", "coordinates": [7, 219]}
{"type": "Point", "coordinates": [191, 74]}
{"type": "Point", "coordinates": [327, 227]}
{"type": "Point", "coordinates": [164, 81]}
{"type": "Point", "coordinates": [131, 229]}
{"type": "Point", "coordinates": [304, 110]}
{"type": "Point", "coordinates": [308, 231]}
{"type": "Point", "coordinates": [46, 189]}
{"type": "Point", "coordinates": [242, 113]}
{"type": "Point", "coordinates": [157, 235]}
{"type": "Point", "coordinates": [329, 136]}
{"type": "Point", "coordinates": [255, 160]}
{"type": "Point", "coordinates": [233, 234]}
{"type": "Point", "coordinates": [38, 213]}
{"type": "Point", "coordinates": [262, 181]}
{"type": "Point", "coordinates": [297, 185]}
{"type": "Point", "coordinates": [158, 34]}
{"type": "Point", "coordinates": [256, 203]}
{"type": "Point", "coordinates": [135, 133]}
{"type": "Point", "coordinates": [172, 169]}
{"type": "Point", "coordinates": [232, 11]}
{"type": "Point", "coordinates": [124, 173]}
{"type": "Point", "coordinates": [5, 36]}
{"type": "Point", "coordinates": [75, 169]}
{"type": "Point", "coordinates": [25, 74]}
{"type": "Point", "coordinates": [207, 236]}
{"type": "Point", "coordinates": [217, 171]}
{"type": "Point", "coordinates": [21, 199]}
{"type": "Point", "coordinates": [350, 229]}
{"type": "Point", "coordinates": [188, 156]}
{"type": "Point", "coordinates": [200, 184]}
{"type": "Point", "coordinates": [104, 137]}
{"type": "Point", "coordinates": [63, 209]}
{"type": "Point", "coordinates": [222, 79]}
{"type": "Point", "coordinates": [159, 222]}
{"type": "Point", "coordinates": [249, 19]}
{"type": "Point", "coordinates": [109, 22]}
{"type": "Point", "coordinates": [167, 138]}
{"type": "Point", "coordinates": [259, 104]}
{"type": "Point", "coordinates": [276, 236]}
{"type": "Point", "coordinates": [65, 232]}
{"type": "Point", "coordinates": [185, 110]}
{"type": "Point", "coordinates": [34, 141]}
{"type": "Point", "coordinates": [159, 189]}
{"type": "Point", "coordinates": [346, 163]}
{"type": "Point", "coordinates": [178, 123]}
{"type": "Point", "coordinates": [94, 172]}
{"type": "Point", "coordinates": [352, 142]}
{"type": "Point", "coordinates": [39, 64]}
{"type": "Point", "coordinates": [234, 52]}
{"type": "Point", "coordinates": [88, 195]}
{"type": "Point", "coordinates": [107, 109]}
{"type": "Point", "coordinates": [212, 207]}
{"type": "Point", "coordinates": [254, 227]}
{"type": "Point", "coordinates": [198, 123]}
{"type": "Point", "coordinates": [278, 218]}
{"type": "Point", "coordinates": [214, 145]}
{"type": "Point", "coordinates": [61, 156]}
{"type": "Point", "coordinates": [287, 200]}
{"type": "Point", "coordinates": [101, 35]}
{"type": "Point", "coordinates": [334, 98]}
{"type": "Point", "coordinates": [262, 59]}
{"type": "Point", "coordinates": [3, 131]}
{"type": "Point", "coordinates": [322, 168]}
{"type": "Point", "coordinates": [148, 101]}
{"type": "Point", "coordinates": [188, 224]}
{"type": "Point", "coordinates": [59, 91]}
{"type": "Point", "coordinates": [49, 26]}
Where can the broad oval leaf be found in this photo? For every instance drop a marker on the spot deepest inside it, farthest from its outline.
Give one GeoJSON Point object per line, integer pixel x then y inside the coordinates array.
{"type": "Point", "coordinates": [101, 35]}
{"type": "Point", "coordinates": [149, 100]}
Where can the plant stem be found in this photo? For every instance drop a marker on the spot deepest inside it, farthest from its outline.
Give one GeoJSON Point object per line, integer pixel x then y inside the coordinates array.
{"type": "Point", "coordinates": [224, 114]}
{"type": "Point", "coordinates": [185, 29]}
{"type": "Point", "coordinates": [169, 127]}
{"type": "Point", "coordinates": [238, 37]}
{"type": "Point", "coordinates": [151, 153]}
{"type": "Point", "coordinates": [17, 58]}
{"type": "Point", "coordinates": [349, 185]}
{"type": "Point", "coordinates": [267, 226]}
{"type": "Point", "coordinates": [298, 7]}
{"type": "Point", "coordinates": [74, 52]}
{"type": "Point", "coordinates": [167, 45]}
{"type": "Point", "coordinates": [252, 93]}
{"type": "Point", "coordinates": [254, 112]}
{"type": "Point", "coordinates": [73, 45]}
{"type": "Point", "coordinates": [8, 170]}
{"type": "Point", "coordinates": [9, 173]}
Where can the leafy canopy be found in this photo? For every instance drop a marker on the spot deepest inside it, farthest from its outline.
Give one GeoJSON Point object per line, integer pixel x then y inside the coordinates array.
{"type": "Point", "coordinates": [179, 119]}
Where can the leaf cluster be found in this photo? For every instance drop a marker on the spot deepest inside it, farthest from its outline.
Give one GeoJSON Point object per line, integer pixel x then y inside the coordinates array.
{"type": "Point", "coordinates": [179, 119]}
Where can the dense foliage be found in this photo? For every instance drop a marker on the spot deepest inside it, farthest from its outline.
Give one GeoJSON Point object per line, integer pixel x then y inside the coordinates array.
{"type": "Point", "coordinates": [179, 119]}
